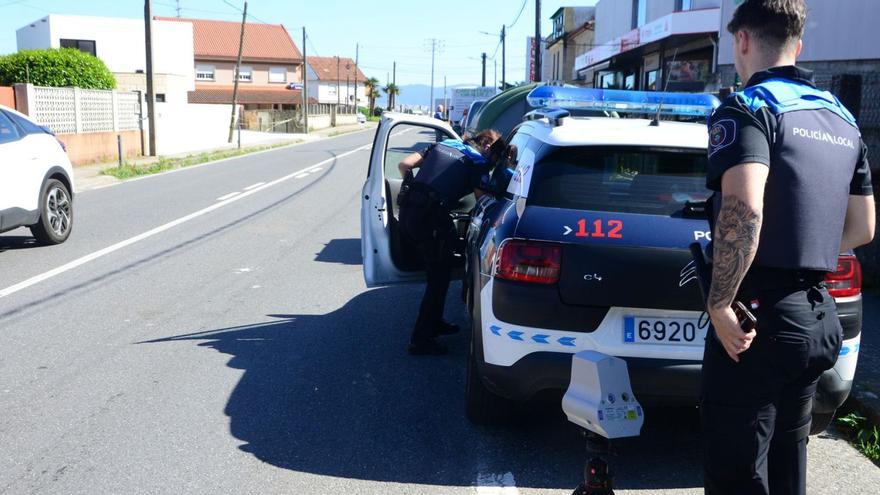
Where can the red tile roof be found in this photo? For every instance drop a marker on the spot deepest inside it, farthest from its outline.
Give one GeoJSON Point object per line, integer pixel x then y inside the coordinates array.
{"type": "Point", "coordinates": [325, 68]}
{"type": "Point", "coordinates": [223, 95]}
{"type": "Point", "coordinates": [218, 40]}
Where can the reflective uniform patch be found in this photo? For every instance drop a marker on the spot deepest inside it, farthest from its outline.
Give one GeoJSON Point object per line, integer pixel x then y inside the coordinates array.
{"type": "Point", "coordinates": [721, 135]}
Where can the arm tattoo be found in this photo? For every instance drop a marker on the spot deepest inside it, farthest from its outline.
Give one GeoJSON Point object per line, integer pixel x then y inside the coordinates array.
{"type": "Point", "coordinates": [734, 246]}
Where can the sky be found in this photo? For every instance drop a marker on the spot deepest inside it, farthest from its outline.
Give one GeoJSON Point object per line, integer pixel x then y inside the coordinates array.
{"type": "Point", "coordinates": [387, 31]}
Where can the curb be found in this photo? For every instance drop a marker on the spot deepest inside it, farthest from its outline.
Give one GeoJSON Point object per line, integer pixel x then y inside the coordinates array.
{"type": "Point", "coordinates": [864, 399]}
{"type": "Point", "coordinates": [110, 181]}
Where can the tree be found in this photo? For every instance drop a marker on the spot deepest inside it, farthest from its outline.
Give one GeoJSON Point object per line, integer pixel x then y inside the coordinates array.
{"type": "Point", "coordinates": [392, 91]}
{"type": "Point", "coordinates": [55, 67]}
{"type": "Point", "coordinates": [372, 87]}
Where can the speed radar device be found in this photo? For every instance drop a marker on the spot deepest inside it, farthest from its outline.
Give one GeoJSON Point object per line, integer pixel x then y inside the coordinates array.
{"type": "Point", "coordinates": [600, 400]}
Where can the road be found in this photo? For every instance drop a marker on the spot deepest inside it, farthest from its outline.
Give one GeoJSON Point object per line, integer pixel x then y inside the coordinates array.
{"type": "Point", "coordinates": [188, 340]}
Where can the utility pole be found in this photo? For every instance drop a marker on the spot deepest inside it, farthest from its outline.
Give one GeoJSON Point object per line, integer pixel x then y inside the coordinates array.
{"type": "Point", "coordinates": [495, 63]}
{"type": "Point", "coordinates": [151, 98]}
{"type": "Point", "coordinates": [337, 82]}
{"type": "Point", "coordinates": [539, 44]}
{"type": "Point", "coordinates": [237, 73]}
{"type": "Point", "coordinates": [484, 69]}
{"type": "Point", "coordinates": [357, 56]}
{"type": "Point", "coordinates": [305, 91]}
{"type": "Point", "coordinates": [435, 45]}
{"type": "Point", "coordinates": [503, 57]}
{"type": "Point", "coordinates": [394, 82]}
{"type": "Point", "coordinates": [178, 9]}
{"type": "Point", "coordinates": [445, 100]}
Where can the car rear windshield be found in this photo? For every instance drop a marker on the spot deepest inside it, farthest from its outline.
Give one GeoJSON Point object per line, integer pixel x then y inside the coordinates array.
{"type": "Point", "coordinates": [654, 181]}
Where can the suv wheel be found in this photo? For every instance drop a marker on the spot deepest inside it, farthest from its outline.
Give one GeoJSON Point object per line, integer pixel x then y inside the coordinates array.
{"type": "Point", "coordinates": [56, 214]}
{"type": "Point", "coordinates": [482, 407]}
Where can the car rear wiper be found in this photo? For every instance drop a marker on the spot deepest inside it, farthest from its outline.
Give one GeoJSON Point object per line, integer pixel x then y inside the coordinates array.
{"type": "Point", "coordinates": [694, 209]}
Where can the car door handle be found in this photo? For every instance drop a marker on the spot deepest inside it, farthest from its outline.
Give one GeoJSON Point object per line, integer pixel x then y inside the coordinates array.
{"type": "Point", "coordinates": [380, 206]}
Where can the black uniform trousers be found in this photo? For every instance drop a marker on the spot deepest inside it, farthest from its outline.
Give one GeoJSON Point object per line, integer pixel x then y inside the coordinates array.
{"type": "Point", "coordinates": [429, 226]}
{"type": "Point", "coordinates": [756, 413]}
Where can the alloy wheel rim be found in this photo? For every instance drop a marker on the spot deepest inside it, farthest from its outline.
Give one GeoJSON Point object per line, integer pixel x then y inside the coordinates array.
{"type": "Point", "coordinates": [58, 210]}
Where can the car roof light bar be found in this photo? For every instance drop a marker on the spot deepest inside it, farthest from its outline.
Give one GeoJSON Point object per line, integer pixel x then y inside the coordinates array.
{"type": "Point", "coordinates": [616, 100]}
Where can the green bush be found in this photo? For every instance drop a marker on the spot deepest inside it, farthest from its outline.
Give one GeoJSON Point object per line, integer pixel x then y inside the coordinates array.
{"type": "Point", "coordinates": [55, 67]}
{"type": "Point", "coordinates": [377, 112]}
{"type": "Point", "coordinates": [364, 110]}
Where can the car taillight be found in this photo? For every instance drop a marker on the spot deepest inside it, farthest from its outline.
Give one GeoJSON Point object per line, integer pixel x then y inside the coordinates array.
{"type": "Point", "coordinates": [525, 261]}
{"type": "Point", "coordinates": [846, 280]}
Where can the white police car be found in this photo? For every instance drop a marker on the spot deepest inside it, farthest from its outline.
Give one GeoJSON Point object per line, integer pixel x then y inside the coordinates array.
{"type": "Point", "coordinates": [585, 248]}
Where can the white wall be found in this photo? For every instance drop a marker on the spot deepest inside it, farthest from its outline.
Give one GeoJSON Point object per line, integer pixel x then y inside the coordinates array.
{"type": "Point", "coordinates": [838, 30]}
{"type": "Point", "coordinates": [613, 18]}
{"type": "Point", "coordinates": [119, 42]}
{"type": "Point", "coordinates": [183, 128]}
{"type": "Point", "coordinates": [325, 91]}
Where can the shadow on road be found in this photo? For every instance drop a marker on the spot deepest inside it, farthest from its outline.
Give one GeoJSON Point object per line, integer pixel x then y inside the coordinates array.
{"type": "Point", "coordinates": [336, 395]}
{"type": "Point", "coordinates": [344, 251]}
{"type": "Point", "coordinates": [11, 242]}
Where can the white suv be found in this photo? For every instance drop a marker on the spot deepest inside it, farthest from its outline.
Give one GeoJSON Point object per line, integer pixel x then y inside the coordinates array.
{"type": "Point", "coordinates": [36, 179]}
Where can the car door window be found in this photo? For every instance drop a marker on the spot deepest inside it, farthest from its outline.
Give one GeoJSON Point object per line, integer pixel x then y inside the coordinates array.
{"type": "Point", "coordinates": [8, 131]}
{"type": "Point", "coordinates": [24, 124]}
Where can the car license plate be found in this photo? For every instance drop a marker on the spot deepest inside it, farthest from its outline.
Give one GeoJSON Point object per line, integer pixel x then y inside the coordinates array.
{"type": "Point", "coordinates": [669, 331]}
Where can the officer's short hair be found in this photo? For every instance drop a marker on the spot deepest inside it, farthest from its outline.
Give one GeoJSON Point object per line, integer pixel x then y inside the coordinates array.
{"type": "Point", "coordinates": [777, 23]}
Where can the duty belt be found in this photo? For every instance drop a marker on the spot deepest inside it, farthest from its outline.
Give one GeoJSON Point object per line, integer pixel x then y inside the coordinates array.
{"type": "Point", "coordinates": [761, 278]}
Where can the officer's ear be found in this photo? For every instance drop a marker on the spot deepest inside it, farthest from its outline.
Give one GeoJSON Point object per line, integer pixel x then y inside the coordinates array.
{"type": "Point", "coordinates": [800, 46]}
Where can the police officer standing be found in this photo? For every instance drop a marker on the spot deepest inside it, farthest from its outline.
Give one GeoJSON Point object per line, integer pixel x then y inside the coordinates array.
{"type": "Point", "coordinates": [792, 190]}
{"type": "Point", "coordinates": [448, 171]}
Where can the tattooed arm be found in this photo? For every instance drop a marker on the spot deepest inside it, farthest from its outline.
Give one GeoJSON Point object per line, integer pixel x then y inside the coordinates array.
{"type": "Point", "coordinates": [735, 243]}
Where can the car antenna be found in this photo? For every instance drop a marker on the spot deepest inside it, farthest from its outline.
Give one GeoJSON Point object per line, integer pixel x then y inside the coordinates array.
{"type": "Point", "coordinates": [656, 121]}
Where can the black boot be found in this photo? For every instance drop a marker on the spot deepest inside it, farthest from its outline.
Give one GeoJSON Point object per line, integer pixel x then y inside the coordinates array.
{"type": "Point", "coordinates": [444, 328]}
{"type": "Point", "coordinates": [427, 347]}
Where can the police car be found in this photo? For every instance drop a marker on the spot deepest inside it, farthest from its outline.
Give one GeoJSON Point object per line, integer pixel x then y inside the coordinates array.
{"type": "Point", "coordinates": [587, 249]}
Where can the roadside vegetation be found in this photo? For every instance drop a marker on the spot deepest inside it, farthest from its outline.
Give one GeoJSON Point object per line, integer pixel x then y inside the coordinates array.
{"type": "Point", "coordinates": [163, 164]}
{"type": "Point", "coordinates": [57, 67]}
{"type": "Point", "coordinates": [864, 435]}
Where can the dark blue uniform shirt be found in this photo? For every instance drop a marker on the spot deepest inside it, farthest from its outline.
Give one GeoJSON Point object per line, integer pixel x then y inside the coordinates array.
{"type": "Point", "coordinates": [816, 156]}
{"type": "Point", "coordinates": [453, 170]}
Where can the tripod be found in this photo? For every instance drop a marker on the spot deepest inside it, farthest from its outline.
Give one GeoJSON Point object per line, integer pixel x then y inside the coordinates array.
{"type": "Point", "coordinates": [598, 480]}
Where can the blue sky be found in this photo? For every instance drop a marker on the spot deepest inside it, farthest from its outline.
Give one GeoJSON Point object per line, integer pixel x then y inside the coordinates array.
{"type": "Point", "coordinates": [387, 30]}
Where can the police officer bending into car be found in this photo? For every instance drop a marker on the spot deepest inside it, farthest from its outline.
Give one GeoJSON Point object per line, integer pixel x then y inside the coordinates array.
{"type": "Point", "coordinates": [792, 191]}
{"type": "Point", "coordinates": [448, 171]}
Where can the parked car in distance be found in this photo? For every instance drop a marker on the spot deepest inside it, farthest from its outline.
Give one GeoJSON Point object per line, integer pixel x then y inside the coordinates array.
{"type": "Point", "coordinates": [362, 119]}
{"type": "Point", "coordinates": [36, 179]}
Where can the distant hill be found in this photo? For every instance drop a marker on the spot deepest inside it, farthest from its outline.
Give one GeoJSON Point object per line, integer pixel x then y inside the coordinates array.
{"type": "Point", "coordinates": [417, 94]}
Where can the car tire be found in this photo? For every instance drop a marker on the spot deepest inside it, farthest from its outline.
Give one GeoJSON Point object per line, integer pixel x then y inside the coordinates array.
{"type": "Point", "coordinates": [56, 214]}
{"type": "Point", "coordinates": [821, 422]}
{"type": "Point", "coordinates": [482, 407]}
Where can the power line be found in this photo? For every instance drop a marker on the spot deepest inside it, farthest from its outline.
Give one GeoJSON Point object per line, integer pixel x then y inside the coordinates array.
{"type": "Point", "coordinates": [249, 15]}
{"type": "Point", "coordinates": [521, 9]}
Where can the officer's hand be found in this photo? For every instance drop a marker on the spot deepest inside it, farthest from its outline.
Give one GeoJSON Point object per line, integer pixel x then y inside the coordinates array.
{"type": "Point", "coordinates": [729, 333]}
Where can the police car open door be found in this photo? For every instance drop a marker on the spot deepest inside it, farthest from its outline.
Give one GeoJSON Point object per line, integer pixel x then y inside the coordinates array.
{"type": "Point", "coordinates": [388, 256]}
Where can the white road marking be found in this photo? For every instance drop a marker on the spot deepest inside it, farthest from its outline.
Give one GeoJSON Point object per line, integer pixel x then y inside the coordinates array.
{"type": "Point", "coordinates": [495, 484]}
{"type": "Point", "coordinates": [227, 196]}
{"type": "Point", "coordinates": [252, 186]}
{"type": "Point", "coordinates": [162, 228]}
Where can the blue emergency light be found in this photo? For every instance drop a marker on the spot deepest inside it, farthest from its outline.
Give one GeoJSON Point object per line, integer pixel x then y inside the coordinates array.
{"type": "Point", "coordinates": [616, 100]}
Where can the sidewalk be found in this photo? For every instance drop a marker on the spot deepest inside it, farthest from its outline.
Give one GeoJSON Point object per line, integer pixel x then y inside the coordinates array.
{"type": "Point", "coordinates": [89, 176]}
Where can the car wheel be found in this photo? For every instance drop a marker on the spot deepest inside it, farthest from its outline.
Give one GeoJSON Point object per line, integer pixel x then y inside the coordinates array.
{"type": "Point", "coordinates": [482, 407]}
{"type": "Point", "coordinates": [821, 422]}
{"type": "Point", "coordinates": [56, 214]}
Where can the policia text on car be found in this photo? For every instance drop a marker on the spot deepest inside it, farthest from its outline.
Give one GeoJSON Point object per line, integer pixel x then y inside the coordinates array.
{"type": "Point", "coordinates": [792, 191]}
{"type": "Point", "coordinates": [447, 172]}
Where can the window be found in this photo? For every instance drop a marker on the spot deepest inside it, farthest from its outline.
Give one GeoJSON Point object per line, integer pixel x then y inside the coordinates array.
{"type": "Point", "coordinates": [640, 13]}
{"type": "Point", "coordinates": [26, 125]}
{"type": "Point", "coordinates": [651, 80]}
{"type": "Point", "coordinates": [204, 72]}
{"type": "Point", "coordinates": [245, 73]}
{"type": "Point", "coordinates": [8, 131]}
{"type": "Point", "coordinates": [87, 46]}
{"type": "Point", "coordinates": [277, 74]}
{"type": "Point", "coordinates": [684, 5]}
{"type": "Point", "coordinates": [160, 97]}
{"type": "Point", "coordinates": [632, 179]}
{"type": "Point", "coordinates": [558, 26]}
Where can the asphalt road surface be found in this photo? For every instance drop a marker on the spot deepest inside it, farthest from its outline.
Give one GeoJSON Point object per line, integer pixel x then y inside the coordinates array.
{"type": "Point", "coordinates": [187, 340]}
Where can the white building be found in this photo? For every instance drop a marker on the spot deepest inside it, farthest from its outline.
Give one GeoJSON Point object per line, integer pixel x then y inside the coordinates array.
{"type": "Point", "coordinates": [119, 43]}
{"type": "Point", "coordinates": [336, 80]}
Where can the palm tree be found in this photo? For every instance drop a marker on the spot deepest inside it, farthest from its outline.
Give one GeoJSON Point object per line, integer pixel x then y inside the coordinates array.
{"type": "Point", "coordinates": [372, 87]}
{"type": "Point", "coordinates": [392, 91]}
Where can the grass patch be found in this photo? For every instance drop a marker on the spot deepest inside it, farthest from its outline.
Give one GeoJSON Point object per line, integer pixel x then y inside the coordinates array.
{"type": "Point", "coordinates": [129, 170]}
{"type": "Point", "coordinates": [864, 435]}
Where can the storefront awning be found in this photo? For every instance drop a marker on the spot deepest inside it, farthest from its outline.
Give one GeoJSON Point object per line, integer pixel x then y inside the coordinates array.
{"type": "Point", "coordinates": [677, 23]}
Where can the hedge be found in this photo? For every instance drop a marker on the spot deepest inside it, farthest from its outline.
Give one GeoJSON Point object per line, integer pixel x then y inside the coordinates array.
{"type": "Point", "coordinates": [62, 67]}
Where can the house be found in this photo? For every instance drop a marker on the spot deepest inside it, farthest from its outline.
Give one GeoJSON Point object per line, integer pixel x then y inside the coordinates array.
{"type": "Point", "coordinates": [336, 81]}
{"type": "Point", "coordinates": [270, 64]}
{"type": "Point", "coordinates": [119, 43]}
{"type": "Point", "coordinates": [572, 36]}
